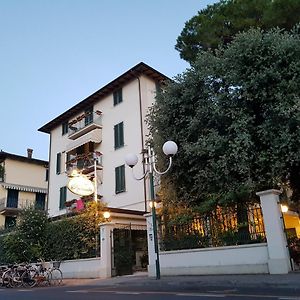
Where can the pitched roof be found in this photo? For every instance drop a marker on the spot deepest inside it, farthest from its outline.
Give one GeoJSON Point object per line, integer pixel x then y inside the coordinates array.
{"type": "Point", "coordinates": [129, 75]}
{"type": "Point", "coordinates": [4, 155]}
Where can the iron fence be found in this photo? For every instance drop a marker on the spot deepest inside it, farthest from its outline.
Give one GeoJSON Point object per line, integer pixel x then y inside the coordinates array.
{"type": "Point", "coordinates": [221, 227]}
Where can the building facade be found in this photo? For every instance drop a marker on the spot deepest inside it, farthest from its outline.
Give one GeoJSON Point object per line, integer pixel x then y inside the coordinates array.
{"type": "Point", "coordinates": [23, 184]}
{"type": "Point", "coordinates": [94, 136]}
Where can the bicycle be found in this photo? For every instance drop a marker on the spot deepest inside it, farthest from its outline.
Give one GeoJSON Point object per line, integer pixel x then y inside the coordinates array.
{"type": "Point", "coordinates": [35, 275]}
{"type": "Point", "coordinates": [56, 274]}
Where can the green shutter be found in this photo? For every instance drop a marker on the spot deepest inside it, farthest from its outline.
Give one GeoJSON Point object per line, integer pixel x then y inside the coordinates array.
{"type": "Point", "coordinates": [120, 179]}
{"type": "Point", "coordinates": [119, 135]}
{"type": "Point", "coordinates": [117, 180]}
{"type": "Point", "coordinates": [58, 163]}
{"type": "Point", "coordinates": [62, 197]}
{"type": "Point", "coordinates": [118, 97]}
{"type": "Point", "coordinates": [116, 136]}
{"type": "Point", "coordinates": [65, 128]}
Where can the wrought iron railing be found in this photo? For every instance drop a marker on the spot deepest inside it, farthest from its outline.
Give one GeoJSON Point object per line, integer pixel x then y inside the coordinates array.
{"type": "Point", "coordinates": [84, 162]}
{"type": "Point", "coordinates": [222, 227]}
{"type": "Point", "coordinates": [20, 204]}
{"type": "Point", "coordinates": [85, 120]}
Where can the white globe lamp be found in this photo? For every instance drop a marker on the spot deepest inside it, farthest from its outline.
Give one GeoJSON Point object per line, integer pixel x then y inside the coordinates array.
{"type": "Point", "coordinates": [170, 148]}
{"type": "Point", "coordinates": [131, 160]}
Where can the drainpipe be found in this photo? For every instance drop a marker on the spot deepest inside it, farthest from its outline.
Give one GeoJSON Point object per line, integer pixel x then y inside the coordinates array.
{"type": "Point", "coordinates": [142, 134]}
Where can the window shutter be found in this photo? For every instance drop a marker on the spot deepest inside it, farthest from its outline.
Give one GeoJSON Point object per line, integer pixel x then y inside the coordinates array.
{"type": "Point", "coordinates": [62, 197]}
{"type": "Point", "coordinates": [120, 179]}
{"type": "Point", "coordinates": [118, 97]}
{"type": "Point", "coordinates": [119, 135]}
{"type": "Point", "coordinates": [65, 128]}
{"type": "Point", "coordinates": [58, 163]}
{"type": "Point", "coordinates": [117, 179]}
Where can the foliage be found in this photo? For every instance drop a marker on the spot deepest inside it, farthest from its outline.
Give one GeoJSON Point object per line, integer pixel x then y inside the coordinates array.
{"type": "Point", "coordinates": [27, 241]}
{"type": "Point", "coordinates": [75, 237]}
{"type": "Point", "coordinates": [68, 238]}
{"type": "Point", "coordinates": [236, 117]}
{"type": "Point", "coordinates": [219, 23]}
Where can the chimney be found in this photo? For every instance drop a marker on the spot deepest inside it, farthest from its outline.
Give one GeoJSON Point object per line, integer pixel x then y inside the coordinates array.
{"type": "Point", "coordinates": [29, 152]}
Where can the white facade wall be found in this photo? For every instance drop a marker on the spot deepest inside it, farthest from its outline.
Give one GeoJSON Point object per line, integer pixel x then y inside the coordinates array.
{"type": "Point", "coordinates": [127, 112]}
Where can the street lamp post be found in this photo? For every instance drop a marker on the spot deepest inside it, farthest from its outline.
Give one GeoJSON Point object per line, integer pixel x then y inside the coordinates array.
{"type": "Point", "coordinates": [170, 149]}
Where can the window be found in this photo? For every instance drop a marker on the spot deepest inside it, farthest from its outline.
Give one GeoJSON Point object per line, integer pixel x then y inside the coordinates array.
{"type": "Point", "coordinates": [118, 98]}
{"type": "Point", "coordinates": [119, 135]}
{"type": "Point", "coordinates": [12, 198]}
{"type": "Point", "coordinates": [65, 128]}
{"type": "Point", "coordinates": [40, 201]}
{"type": "Point", "coordinates": [88, 116]}
{"type": "Point", "coordinates": [47, 175]}
{"type": "Point", "coordinates": [1, 173]}
{"type": "Point", "coordinates": [120, 179]}
{"type": "Point", "coordinates": [62, 197]}
{"type": "Point", "coordinates": [10, 222]}
{"type": "Point", "coordinates": [58, 163]}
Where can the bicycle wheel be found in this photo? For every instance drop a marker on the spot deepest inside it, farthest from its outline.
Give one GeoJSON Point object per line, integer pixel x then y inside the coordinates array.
{"type": "Point", "coordinates": [16, 279]}
{"type": "Point", "coordinates": [6, 278]}
{"type": "Point", "coordinates": [56, 277]}
{"type": "Point", "coordinates": [28, 278]}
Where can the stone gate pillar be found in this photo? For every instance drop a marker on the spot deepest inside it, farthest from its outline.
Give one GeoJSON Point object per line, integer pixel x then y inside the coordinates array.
{"type": "Point", "coordinates": [105, 249]}
{"type": "Point", "coordinates": [151, 248]}
{"type": "Point", "coordinates": [279, 259]}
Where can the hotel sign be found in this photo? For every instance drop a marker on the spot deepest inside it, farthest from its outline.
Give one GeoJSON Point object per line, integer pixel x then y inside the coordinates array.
{"type": "Point", "coordinates": [81, 185]}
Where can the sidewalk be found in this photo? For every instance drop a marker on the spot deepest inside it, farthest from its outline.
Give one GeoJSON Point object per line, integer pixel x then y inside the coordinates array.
{"type": "Point", "coordinates": [138, 280]}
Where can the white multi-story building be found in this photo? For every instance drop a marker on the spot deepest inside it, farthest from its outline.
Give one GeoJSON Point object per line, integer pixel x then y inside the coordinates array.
{"type": "Point", "coordinates": [109, 123]}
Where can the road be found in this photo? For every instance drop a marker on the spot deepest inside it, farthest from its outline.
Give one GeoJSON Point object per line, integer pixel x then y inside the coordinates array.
{"type": "Point", "coordinates": [145, 292]}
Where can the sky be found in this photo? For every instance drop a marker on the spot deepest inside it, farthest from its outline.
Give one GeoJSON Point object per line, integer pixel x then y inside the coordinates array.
{"type": "Point", "coordinates": [55, 53]}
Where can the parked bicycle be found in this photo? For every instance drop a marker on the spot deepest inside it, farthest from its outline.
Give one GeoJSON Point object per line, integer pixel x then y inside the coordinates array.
{"type": "Point", "coordinates": [31, 275]}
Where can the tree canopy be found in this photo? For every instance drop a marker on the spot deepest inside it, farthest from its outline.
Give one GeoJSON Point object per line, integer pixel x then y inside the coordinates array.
{"type": "Point", "coordinates": [235, 115]}
{"type": "Point", "coordinates": [218, 23]}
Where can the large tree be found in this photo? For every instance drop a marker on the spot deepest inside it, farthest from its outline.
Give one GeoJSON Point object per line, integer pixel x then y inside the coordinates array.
{"type": "Point", "coordinates": [236, 117]}
{"type": "Point", "coordinates": [218, 23]}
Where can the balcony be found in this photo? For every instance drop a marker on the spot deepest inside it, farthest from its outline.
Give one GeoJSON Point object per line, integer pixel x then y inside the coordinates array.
{"type": "Point", "coordinates": [84, 124]}
{"type": "Point", "coordinates": [94, 136]}
{"type": "Point", "coordinates": [11, 208]}
{"type": "Point", "coordinates": [84, 163]}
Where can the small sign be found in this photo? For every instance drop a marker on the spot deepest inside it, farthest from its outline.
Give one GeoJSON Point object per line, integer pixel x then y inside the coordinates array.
{"type": "Point", "coordinates": [81, 185]}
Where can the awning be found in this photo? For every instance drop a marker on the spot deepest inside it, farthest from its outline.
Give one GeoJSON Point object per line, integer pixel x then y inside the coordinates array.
{"type": "Point", "coordinates": [92, 136]}
{"type": "Point", "coordinates": [24, 188]}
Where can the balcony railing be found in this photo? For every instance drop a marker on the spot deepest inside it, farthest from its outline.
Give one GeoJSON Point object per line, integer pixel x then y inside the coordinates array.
{"type": "Point", "coordinates": [84, 163]}
{"type": "Point", "coordinates": [85, 123]}
{"type": "Point", "coordinates": [9, 207]}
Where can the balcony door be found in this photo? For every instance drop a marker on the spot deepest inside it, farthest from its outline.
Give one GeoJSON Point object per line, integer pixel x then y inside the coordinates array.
{"type": "Point", "coordinates": [12, 198]}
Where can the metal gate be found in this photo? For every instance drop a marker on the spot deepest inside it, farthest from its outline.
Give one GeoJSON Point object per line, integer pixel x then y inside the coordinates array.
{"type": "Point", "coordinates": [129, 249]}
{"type": "Point", "coordinates": [294, 250]}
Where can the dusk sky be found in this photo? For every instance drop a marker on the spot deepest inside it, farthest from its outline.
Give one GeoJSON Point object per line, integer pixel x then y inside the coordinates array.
{"type": "Point", "coordinates": [55, 53]}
